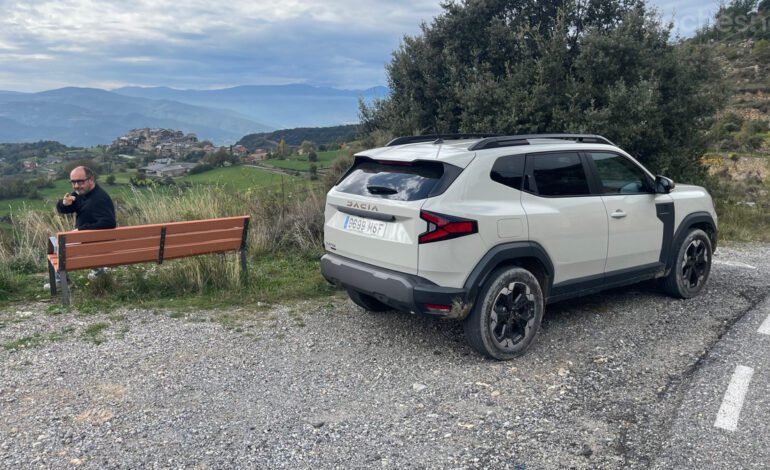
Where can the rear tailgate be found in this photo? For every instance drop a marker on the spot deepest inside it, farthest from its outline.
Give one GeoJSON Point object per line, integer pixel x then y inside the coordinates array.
{"type": "Point", "coordinates": [384, 234]}
{"type": "Point", "coordinates": [373, 214]}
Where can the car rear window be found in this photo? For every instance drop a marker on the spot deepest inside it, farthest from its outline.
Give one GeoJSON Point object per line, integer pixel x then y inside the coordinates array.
{"type": "Point", "coordinates": [401, 181]}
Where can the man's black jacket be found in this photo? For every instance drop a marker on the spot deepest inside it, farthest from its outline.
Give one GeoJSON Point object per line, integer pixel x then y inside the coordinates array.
{"type": "Point", "coordinates": [94, 210]}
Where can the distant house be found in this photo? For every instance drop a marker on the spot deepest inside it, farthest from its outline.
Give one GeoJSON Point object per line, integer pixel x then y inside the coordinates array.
{"type": "Point", "coordinates": [29, 164]}
{"type": "Point", "coordinates": [259, 154]}
{"type": "Point", "coordinates": [53, 161]}
{"type": "Point", "coordinates": [162, 171]}
{"type": "Point", "coordinates": [163, 161]}
{"type": "Point", "coordinates": [239, 150]}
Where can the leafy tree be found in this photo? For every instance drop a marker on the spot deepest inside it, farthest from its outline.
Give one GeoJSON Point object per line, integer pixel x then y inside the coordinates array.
{"type": "Point", "coordinates": [220, 158]}
{"type": "Point", "coordinates": [281, 150]}
{"type": "Point", "coordinates": [312, 156]}
{"type": "Point", "coordinates": [307, 146]}
{"type": "Point", "coordinates": [522, 66]}
{"type": "Point", "coordinates": [313, 171]}
{"type": "Point", "coordinates": [110, 180]}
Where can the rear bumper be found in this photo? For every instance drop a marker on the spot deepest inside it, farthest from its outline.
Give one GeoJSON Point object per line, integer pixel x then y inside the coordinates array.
{"type": "Point", "coordinates": [399, 290]}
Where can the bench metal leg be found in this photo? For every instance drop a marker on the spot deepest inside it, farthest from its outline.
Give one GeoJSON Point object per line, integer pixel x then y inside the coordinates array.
{"type": "Point", "coordinates": [244, 270]}
{"type": "Point", "coordinates": [65, 288]}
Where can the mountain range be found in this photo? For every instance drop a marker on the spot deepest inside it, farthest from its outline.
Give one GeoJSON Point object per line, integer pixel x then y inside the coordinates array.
{"type": "Point", "coordinates": [89, 116]}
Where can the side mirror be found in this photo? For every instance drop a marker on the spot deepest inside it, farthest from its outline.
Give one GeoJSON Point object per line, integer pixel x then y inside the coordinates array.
{"type": "Point", "coordinates": [663, 185]}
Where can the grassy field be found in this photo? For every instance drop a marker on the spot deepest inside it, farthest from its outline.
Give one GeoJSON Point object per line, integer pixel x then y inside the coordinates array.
{"type": "Point", "coordinates": [301, 163]}
{"type": "Point", "coordinates": [239, 178]}
{"type": "Point", "coordinates": [234, 178]}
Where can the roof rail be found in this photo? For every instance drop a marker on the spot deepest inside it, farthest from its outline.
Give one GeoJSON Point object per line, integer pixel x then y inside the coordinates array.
{"type": "Point", "coordinates": [413, 139]}
{"type": "Point", "coordinates": [511, 140]}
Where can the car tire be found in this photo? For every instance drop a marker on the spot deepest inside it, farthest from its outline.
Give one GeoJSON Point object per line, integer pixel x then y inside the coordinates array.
{"type": "Point", "coordinates": [691, 266]}
{"type": "Point", "coordinates": [506, 317]}
{"type": "Point", "coordinates": [367, 302]}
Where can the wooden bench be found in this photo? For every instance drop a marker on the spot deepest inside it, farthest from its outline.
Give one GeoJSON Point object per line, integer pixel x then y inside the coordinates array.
{"type": "Point", "coordinates": [87, 249]}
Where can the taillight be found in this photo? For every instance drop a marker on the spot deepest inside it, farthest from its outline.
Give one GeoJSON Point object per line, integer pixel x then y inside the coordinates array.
{"type": "Point", "coordinates": [445, 227]}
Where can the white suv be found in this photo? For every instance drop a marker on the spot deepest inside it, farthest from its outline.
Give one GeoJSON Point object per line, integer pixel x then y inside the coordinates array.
{"type": "Point", "coordinates": [489, 229]}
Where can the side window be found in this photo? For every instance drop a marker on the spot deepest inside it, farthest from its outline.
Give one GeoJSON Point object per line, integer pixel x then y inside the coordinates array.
{"type": "Point", "coordinates": [509, 171]}
{"type": "Point", "coordinates": [559, 174]}
{"type": "Point", "coordinates": [620, 175]}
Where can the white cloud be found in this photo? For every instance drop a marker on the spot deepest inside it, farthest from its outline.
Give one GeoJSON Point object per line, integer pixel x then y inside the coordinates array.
{"type": "Point", "coordinates": [198, 43]}
{"type": "Point", "coordinates": [15, 57]}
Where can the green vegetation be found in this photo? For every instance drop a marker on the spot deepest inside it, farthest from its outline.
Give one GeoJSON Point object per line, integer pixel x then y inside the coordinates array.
{"type": "Point", "coordinates": [739, 141]}
{"type": "Point", "coordinates": [322, 136]}
{"type": "Point", "coordinates": [237, 178]}
{"type": "Point", "coordinates": [93, 332]}
{"type": "Point", "coordinates": [302, 162]}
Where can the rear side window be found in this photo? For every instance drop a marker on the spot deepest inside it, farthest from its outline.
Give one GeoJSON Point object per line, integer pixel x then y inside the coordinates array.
{"type": "Point", "coordinates": [509, 171]}
{"type": "Point", "coordinates": [559, 174]}
{"type": "Point", "coordinates": [398, 181]}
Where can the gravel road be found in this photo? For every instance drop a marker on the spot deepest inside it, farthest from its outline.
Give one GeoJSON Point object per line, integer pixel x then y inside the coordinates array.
{"type": "Point", "coordinates": [323, 384]}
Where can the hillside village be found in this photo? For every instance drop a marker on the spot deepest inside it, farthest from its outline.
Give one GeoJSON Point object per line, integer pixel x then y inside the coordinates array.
{"type": "Point", "coordinates": [150, 151]}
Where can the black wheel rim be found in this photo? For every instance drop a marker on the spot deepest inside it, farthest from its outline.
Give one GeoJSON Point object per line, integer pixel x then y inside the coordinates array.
{"type": "Point", "coordinates": [512, 314]}
{"type": "Point", "coordinates": [695, 264]}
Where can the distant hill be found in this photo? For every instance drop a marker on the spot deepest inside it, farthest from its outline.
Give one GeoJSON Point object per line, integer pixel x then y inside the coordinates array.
{"type": "Point", "coordinates": [295, 137]}
{"type": "Point", "coordinates": [87, 117]}
{"type": "Point", "coordinates": [280, 106]}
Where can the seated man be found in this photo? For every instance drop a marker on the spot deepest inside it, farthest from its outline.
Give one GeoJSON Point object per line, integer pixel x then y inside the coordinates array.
{"type": "Point", "coordinates": [91, 204]}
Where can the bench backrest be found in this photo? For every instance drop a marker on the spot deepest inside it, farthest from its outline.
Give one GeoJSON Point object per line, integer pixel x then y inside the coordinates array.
{"type": "Point", "coordinates": [150, 243]}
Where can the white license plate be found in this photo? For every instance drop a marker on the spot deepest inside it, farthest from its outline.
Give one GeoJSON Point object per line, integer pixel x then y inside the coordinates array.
{"type": "Point", "coordinates": [367, 226]}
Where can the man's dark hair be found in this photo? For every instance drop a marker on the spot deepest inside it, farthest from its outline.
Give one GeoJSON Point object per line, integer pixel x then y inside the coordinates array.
{"type": "Point", "coordinates": [89, 173]}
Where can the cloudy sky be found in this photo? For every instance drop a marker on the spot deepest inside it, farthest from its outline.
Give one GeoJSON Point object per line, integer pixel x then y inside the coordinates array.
{"type": "Point", "coordinates": [205, 44]}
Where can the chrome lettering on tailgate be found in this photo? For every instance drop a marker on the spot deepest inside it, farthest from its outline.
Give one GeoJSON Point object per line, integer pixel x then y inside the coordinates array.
{"type": "Point", "coordinates": [362, 205]}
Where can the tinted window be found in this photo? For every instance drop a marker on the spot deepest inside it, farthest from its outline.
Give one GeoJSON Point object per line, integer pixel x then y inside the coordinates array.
{"type": "Point", "coordinates": [620, 175]}
{"type": "Point", "coordinates": [402, 182]}
{"type": "Point", "coordinates": [559, 174]}
{"type": "Point", "coordinates": [509, 171]}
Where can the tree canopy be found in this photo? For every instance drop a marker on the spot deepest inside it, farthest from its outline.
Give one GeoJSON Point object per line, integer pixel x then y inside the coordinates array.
{"type": "Point", "coordinates": [524, 66]}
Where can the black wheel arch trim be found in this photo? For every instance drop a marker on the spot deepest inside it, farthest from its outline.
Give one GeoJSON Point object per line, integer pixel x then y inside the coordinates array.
{"type": "Point", "coordinates": [665, 212]}
{"type": "Point", "coordinates": [691, 220]}
{"type": "Point", "coordinates": [504, 253]}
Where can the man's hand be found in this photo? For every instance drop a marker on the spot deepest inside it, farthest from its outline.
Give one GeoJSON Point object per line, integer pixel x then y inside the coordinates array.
{"type": "Point", "coordinates": [68, 199]}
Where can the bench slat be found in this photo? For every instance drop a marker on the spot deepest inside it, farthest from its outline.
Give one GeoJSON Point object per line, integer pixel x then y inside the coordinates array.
{"type": "Point", "coordinates": [197, 237]}
{"type": "Point", "coordinates": [76, 250]}
{"type": "Point", "coordinates": [204, 225]}
{"type": "Point", "coordinates": [202, 248]}
{"type": "Point", "coordinates": [113, 259]}
{"type": "Point", "coordinates": [120, 233]}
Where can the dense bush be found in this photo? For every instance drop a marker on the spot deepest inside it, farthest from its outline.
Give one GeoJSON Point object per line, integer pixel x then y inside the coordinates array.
{"type": "Point", "coordinates": [202, 168]}
{"type": "Point", "coordinates": [524, 66]}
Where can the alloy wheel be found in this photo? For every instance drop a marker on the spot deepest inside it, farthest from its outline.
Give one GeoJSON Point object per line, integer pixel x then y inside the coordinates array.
{"type": "Point", "coordinates": [512, 314]}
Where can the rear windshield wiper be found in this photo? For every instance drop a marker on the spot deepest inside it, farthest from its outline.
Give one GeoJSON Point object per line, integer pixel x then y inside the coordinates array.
{"type": "Point", "coordinates": [380, 190]}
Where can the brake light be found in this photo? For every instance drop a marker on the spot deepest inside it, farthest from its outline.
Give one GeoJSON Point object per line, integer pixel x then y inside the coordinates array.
{"type": "Point", "coordinates": [445, 227]}
{"type": "Point", "coordinates": [438, 308]}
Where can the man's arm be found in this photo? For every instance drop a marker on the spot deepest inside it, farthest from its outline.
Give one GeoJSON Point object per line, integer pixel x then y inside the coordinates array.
{"type": "Point", "coordinates": [63, 208]}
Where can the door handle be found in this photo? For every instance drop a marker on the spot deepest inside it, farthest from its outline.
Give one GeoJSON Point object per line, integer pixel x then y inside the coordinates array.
{"type": "Point", "coordinates": [618, 214]}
